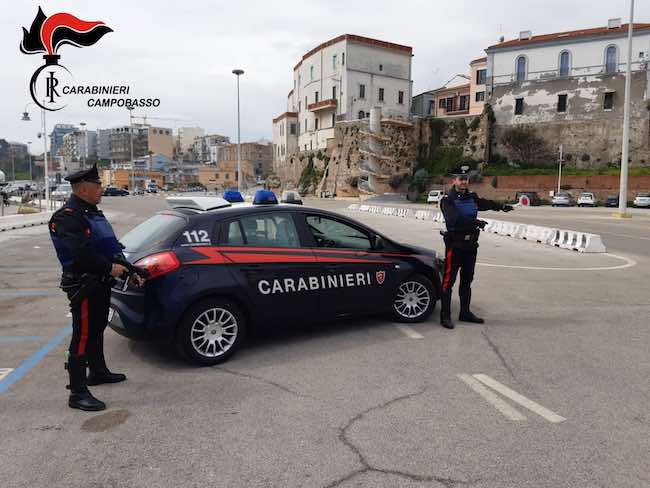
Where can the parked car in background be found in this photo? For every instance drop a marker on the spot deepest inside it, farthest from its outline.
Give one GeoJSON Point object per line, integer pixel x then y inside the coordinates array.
{"type": "Point", "coordinates": [138, 191]}
{"type": "Point", "coordinates": [562, 200]}
{"type": "Point", "coordinates": [587, 199]}
{"type": "Point", "coordinates": [612, 201]}
{"type": "Point", "coordinates": [435, 196]}
{"type": "Point", "coordinates": [111, 191]}
{"type": "Point", "coordinates": [291, 196]}
{"type": "Point", "coordinates": [533, 198]}
{"type": "Point", "coordinates": [62, 192]}
{"type": "Point", "coordinates": [642, 200]}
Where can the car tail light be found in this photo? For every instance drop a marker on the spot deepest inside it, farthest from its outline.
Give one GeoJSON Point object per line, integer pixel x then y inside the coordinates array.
{"type": "Point", "coordinates": [160, 264]}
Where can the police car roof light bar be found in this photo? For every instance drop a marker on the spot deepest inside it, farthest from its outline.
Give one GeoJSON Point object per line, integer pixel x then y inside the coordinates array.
{"type": "Point", "coordinates": [204, 204]}
{"type": "Point", "coordinates": [265, 197]}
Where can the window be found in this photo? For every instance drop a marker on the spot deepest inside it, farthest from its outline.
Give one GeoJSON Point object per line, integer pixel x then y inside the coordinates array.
{"type": "Point", "coordinates": [381, 67]}
{"type": "Point", "coordinates": [362, 91]}
{"type": "Point", "coordinates": [481, 75]}
{"type": "Point", "coordinates": [400, 97]}
{"type": "Point", "coordinates": [442, 103]}
{"type": "Point", "coordinates": [235, 235]}
{"type": "Point", "coordinates": [521, 68]}
{"type": "Point", "coordinates": [450, 104]}
{"type": "Point", "coordinates": [333, 119]}
{"type": "Point", "coordinates": [381, 94]}
{"type": "Point", "coordinates": [362, 114]}
{"type": "Point", "coordinates": [611, 59]}
{"type": "Point", "coordinates": [519, 106]}
{"type": "Point", "coordinates": [334, 93]}
{"type": "Point", "coordinates": [306, 104]}
{"type": "Point", "coordinates": [342, 59]}
{"type": "Point", "coordinates": [316, 123]}
{"type": "Point", "coordinates": [316, 97]}
{"type": "Point", "coordinates": [480, 96]}
{"type": "Point", "coordinates": [334, 61]}
{"type": "Point", "coordinates": [565, 63]}
{"type": "Point", "coordinates": [311, 72]}
{"type": "Point", "coordinates": [292, 129]}
{"type": "Point", "coordinates": [299, 106]}
{"type": "Point", "coordinates": [464, 102]}
{"type": "Point", "coordinates": [332, 233]}
{"type": "Point", "coordinates": [561, 103]}
{"type": "Point", "coordinates": [268, 230]}
{"type": "Point", "coordinates": [608, 101]}
{"type": "Point", "coordinates": [305, 127]}
{"type": "Point", "coordinates": [432, 106]}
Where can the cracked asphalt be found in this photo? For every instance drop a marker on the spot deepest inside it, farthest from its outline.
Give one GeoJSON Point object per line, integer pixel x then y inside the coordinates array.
{"type": "Point", "coordinates": [356, 403]}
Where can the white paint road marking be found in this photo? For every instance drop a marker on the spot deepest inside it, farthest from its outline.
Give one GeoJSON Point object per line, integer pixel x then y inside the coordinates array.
{"type": "Point", "coordinates": [520, 399]}
{"type": "Point", "coordinates": [408, 331]}
{"type": "Point", "coordinates": [4, 372]}
{"type": "Point", "coordinates": [628, 264]}
{"type": "Point", "coordinates": [492, 398]}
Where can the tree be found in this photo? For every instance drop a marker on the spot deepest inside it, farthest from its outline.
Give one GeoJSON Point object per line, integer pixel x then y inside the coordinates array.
{"type": "Point", "coordinates": [421, 179]}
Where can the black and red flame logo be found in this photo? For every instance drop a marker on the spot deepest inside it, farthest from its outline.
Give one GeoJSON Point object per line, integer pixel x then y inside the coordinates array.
{"type": "Point", "coordinates": [46, 36]}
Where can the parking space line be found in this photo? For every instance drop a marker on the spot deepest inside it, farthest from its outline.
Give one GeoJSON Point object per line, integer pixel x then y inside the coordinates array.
{"type": "Point", "coordinates": [492, 398]}
{"type": "Point", "coordinates": [29, 363]}
{"type": "Point", "coordinates": [409, 331]}
{"type": "Point", "coordinates": [4, 372]}
{"type": "Point", "coordinates": [520, 399]}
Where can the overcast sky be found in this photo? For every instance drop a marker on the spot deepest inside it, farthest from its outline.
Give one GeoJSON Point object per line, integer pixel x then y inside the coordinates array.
{"type": "Point", "coordinates": [183, 52]}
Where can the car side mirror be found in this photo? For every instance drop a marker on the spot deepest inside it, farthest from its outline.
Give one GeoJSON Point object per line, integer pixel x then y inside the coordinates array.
{"type": "Point", "coordinates": [378, 242]}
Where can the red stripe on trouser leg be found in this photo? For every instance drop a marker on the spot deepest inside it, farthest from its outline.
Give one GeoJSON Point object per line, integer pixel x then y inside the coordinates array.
{"type": "Point", "coordinates": [84, 328]}
{"type": "Point", "coordinates": [445, 283]}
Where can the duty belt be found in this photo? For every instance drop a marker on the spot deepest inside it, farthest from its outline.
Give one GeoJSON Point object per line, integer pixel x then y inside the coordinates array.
{"type": "Point", "coordinates": [459, 237]}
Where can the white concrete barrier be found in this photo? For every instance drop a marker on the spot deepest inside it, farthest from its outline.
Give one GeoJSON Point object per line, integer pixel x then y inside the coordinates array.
{"type": "Point", "coordinates": [388, 211]}
{"type": "Point", "coordinates": [354, 206]}
{"type": "Point", "coordinates": [591, 243]}
{"type": "Point", "coordinates": [403, 212]}
{"type": "Point", "coordinates": [423, 215]}
{"type": "Point", "coordinates": [364, 208]}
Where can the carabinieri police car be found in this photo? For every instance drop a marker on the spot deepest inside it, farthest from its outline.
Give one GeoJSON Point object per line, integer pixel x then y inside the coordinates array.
{"type": "Point", "coordinates": [218, 269]}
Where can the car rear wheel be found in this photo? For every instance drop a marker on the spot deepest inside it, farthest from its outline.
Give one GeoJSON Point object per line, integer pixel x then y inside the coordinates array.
{"type": "Point", "coordinates": [414, 300]}
{"type": "Point", "coordinates": [211, 331]}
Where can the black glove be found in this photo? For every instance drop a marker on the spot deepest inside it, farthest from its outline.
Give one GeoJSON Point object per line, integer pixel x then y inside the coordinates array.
{"type": "Point", "coordinates": [507, 208]}
{"type": "Point", "coordinates": [481, 224]}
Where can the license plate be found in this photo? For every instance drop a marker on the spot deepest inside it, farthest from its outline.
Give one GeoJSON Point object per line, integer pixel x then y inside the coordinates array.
{"type": "Point", "coordinates": [111, 312]}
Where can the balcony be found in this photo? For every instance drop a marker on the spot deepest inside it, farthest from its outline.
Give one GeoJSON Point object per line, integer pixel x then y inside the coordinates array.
{"type": "Point", "coordinates": [322, 105]}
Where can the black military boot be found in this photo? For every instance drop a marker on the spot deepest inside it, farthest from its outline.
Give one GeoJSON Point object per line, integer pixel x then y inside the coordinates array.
{"type": "Point", "coordinates": [80, 397]}
{"type": "Point", "coordinates": [445, 311]}
{"type": "Point", "coordinates": [99, 373]}
{"type": "Point", "coordinates": [465, 314]}
{"type": "Point", "coordinates": [446, 322]}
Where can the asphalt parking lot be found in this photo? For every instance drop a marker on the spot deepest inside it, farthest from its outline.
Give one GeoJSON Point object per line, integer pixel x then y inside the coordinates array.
{"type": "Point", "coordinates": [552, 391]}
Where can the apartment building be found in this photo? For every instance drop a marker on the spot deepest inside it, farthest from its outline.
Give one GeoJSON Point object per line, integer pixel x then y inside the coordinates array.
{"type": "Point", "coordinates": [341, 80]}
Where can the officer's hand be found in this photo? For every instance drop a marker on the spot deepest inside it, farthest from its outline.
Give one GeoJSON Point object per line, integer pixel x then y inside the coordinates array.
{"type": "Point", "coordinates": [507, 208]}
{"type": "Point", "coordinates": [481, 224]}
{"type": "Point", "coordinates": [118, 270]}
{"type": "Point", "coordinates": [137, 280]}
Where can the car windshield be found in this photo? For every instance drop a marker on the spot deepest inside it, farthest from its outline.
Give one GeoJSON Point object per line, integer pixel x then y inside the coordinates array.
{"type": "Point", "coordinates": [434, 193]}
{"type": "Point", "coordinates": [587, 195]}
{"type": "Point", "coordinates": [152, 231]}
{"type": "Point", "coordinates": [643, 195]}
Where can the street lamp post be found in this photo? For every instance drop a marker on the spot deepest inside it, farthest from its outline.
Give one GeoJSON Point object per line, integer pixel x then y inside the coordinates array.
{"type": "Point", "coordinates": [622, 197]}
{"type": "Point", "coordinates": [559, 175]}
{"type": "Point", "coordinates": [45, 166]}
{"type": "Point", "coordinates": [13, 163]}
{"type": "Point", "coordinates": [238, 73]}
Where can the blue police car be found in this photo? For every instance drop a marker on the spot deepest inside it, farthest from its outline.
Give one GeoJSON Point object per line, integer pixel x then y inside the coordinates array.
{"type": "Point", "coordinates": [219, 268]}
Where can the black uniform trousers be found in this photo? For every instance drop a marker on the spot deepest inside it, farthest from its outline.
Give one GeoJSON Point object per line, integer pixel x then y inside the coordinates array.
{"type": "Point", "coordinates": [89, 320]}
{"type": "Point", "coordinates": [458, 256]}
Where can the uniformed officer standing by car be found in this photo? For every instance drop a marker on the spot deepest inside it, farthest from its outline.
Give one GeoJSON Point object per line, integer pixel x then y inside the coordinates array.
{"type": "Point", "coordinates": [88, 250]}
{"type": "Point", "coordinates": [460, 208]}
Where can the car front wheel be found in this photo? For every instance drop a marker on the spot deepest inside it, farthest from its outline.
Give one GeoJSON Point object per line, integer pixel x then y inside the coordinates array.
{"type": "Point", "coordinates": [414, 300]}
{"type": "Point", "coordinates": [211, 331]}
